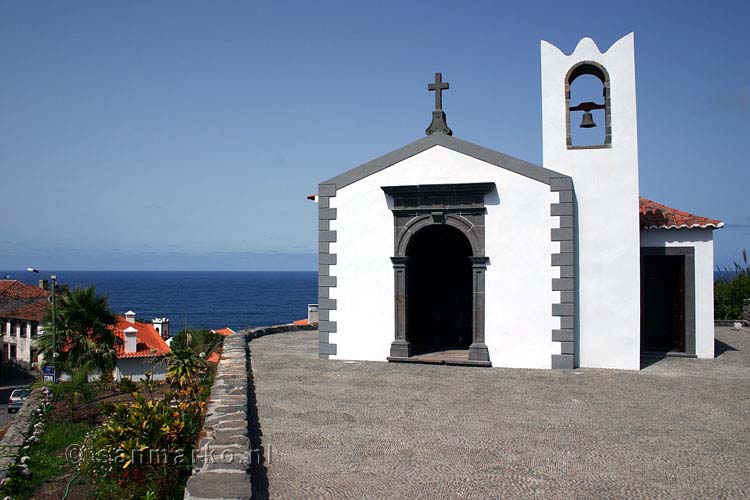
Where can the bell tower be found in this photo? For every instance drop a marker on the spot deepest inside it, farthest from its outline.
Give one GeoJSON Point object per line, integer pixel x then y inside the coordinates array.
{"type": "Point", "coordinates": [604, 169]}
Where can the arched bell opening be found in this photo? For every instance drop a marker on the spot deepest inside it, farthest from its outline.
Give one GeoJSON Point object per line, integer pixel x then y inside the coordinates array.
{"type": "Point", "coordinates": [587, 106]}
{"type": "Point", "coordinates": [439, 298]}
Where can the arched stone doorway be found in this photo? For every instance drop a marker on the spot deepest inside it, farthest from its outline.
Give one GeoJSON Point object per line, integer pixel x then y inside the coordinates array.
{"type": "Point", "coordinates": [438, 270]}
{"type": "Point", "coordinates": [439, 302]}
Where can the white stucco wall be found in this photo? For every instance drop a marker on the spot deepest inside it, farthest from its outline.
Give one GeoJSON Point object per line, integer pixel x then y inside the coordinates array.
{"type": "Point", "coordinates": [606, 189]}
{"type": "Point", "coordinates": [135, 368]}
{"type": "Point", "coordinates": [518, 320]}
{"type": "Point", "coordinates": [703, 243]}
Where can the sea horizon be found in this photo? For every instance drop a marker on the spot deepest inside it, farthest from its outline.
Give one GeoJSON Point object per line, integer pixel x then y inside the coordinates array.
{"type": "Point", "coordinates": [198, 299]}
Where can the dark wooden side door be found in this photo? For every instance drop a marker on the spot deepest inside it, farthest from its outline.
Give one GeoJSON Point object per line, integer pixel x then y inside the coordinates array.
{"type": "Point", "coordinates": [663, 303]}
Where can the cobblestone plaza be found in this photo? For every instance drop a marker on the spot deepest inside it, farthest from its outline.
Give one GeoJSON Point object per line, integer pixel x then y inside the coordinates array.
{"type": "Point", "coordinates": [335, 429]}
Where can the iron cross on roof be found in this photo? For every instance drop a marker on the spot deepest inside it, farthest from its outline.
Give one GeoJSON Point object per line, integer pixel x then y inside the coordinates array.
{"type": "Point", "coordinates": [438, 88]}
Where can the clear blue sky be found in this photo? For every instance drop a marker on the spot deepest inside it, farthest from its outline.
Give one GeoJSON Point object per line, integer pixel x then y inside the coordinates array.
{"type": "Point", "coordinates": [186, 135]}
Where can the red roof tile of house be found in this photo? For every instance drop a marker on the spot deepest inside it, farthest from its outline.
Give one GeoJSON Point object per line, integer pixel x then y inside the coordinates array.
{"type": "Point", "coordinates": [657, 216]}
{"type": "Point", "coordinates": [214, 357]}
{"type": "Point", "coordinates": [148, 341]}
{"type": "Point", "coordinates": [34, 311]}
{"type": "Point", "coordinates": [224, 331]}
{"type": "Point", "coordinates": [21, 301]}
{"type": "Point", "coordinates": [14, 289]}
{"type": "Point", "coordinates": [301, 322]}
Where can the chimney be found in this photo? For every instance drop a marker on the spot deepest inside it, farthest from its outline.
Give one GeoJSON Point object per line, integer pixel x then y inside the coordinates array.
{"type": "Point", "coordinates": [44, 284]}
{"type": "Point", "coordinates": [130, 317]}
{"type": "Point", "coordinates": [131, 339]}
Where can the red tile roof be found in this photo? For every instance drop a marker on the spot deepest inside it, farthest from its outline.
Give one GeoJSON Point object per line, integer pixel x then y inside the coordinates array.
{"type": "Point", "coordinates": [224, 331]}
{"type": "Point", "coordinates": [14, 289]}
{"type": "Point", "coordinates": [657, 216]}
{"type": "Point", "coordinates": [301, 322]}
{"type": "Point", "coordinates": [213, 358]}
{"type": "Point", "coordinates": [148, 341]}
{"type": "Point", "coordinates": [34, 311]}
{"type": "Point", "coordinates": [21, 301]}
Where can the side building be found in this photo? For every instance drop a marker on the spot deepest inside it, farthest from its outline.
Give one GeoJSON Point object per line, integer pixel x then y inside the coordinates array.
{"type": "Point", "coordinates": [22, 309]}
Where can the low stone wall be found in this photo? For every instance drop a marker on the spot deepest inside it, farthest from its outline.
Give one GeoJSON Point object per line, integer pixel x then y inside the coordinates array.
{"type": "Point", "coordinates": [18, 431]}
{"type": "Point", "coordinates": [254, 333]}
{"type": "Point", "coordinates": [731, 322]}
{"type": "Point", "coordinates": [223, 457]}
{"type": "Point", "coordinates": [225, 454]}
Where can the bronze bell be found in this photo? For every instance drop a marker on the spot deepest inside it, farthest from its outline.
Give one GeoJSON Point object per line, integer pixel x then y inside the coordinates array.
{"type": "Point", "coordinates": [588, 120]}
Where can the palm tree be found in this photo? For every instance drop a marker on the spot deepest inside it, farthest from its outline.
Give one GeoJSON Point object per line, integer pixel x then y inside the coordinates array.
{"type": "Point", "coordinates": [184, 369]}
{"type": "Point", "coordinates": [198, 341]}
{"type": "Point", "coordinates": [84, 332]}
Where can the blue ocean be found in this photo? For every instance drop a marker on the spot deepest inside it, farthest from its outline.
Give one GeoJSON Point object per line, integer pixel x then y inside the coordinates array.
{"type": "Point", "coordinates": [200, 299]}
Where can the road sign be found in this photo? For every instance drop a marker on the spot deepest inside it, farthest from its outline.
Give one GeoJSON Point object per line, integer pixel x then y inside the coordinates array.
{"type": "Point", "coordinates": [48, 374]}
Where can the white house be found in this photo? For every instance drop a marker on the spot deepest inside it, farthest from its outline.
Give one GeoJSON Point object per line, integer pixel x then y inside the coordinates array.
{"type": "Point", "coordinates": [447, 252]}
{"type": "Point", "coordinates": [22, 309]}
{"type": "Point", "coordinates": [141, 349]}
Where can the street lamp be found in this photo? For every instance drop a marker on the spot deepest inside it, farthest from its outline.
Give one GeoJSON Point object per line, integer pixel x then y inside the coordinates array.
{"type": "Point", "coordinates": [53, 279]}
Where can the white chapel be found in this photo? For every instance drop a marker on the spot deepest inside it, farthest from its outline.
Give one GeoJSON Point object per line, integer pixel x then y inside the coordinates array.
{"type": "Point", "coordinates": [444, 251]}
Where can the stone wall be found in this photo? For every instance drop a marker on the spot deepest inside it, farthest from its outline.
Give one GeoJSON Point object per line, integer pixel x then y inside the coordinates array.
{"type": "Point", "coordinates": [18, 431]}
{"type": "Point", "coordinates": [254, 333]}
{"type": "Point", "coordinates": [223, 455]}
{"type": "Point", "coordinates": [227, 466]}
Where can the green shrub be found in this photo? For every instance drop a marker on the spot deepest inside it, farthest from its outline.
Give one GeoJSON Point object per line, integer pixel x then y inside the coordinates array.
{"type": "Point", "coordinates": [143, 447]}
{"type": "Point", "coordinates": [731, 288]}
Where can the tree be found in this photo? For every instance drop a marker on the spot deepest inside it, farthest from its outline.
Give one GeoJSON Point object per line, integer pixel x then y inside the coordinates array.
{"type": "Point", "coordinates": [184, 369]}
{"type": "Point", "coordinates": [84, 332]}
{"type": "Point", "coordinates": [198, 341]}
{"type": "Point", "coordinates": [77, 389]}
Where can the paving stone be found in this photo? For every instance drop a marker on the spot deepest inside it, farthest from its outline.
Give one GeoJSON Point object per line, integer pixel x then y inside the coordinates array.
{"type": "Point", "coordinates": [218, 485]}
{"type": "Point", "coordinates": [332, 429]}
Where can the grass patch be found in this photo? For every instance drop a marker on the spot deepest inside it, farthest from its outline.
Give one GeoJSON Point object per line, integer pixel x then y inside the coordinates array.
{"type": "Point", "coordinates": [47, 459]}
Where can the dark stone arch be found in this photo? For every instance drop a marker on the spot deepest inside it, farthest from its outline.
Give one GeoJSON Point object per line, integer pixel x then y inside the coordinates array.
{"type": "Point", "coordinates": [456, 221]}
{"type": "Point", "coordinates": [597, 70]}
{"type": "Point", "coordinates": [460, 207]}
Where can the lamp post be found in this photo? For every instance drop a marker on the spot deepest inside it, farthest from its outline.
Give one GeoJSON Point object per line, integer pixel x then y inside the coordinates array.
{"type": "Point", "coordinates": [53, 279]}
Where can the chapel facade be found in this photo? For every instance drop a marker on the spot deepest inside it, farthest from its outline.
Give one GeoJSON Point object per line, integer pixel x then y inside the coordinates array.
{"type": "Point", "coordinates": [444, 251]}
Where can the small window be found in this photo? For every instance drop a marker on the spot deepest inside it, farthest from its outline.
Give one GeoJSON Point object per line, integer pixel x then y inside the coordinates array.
{"type": "Point", "coordinates": [588, 107]}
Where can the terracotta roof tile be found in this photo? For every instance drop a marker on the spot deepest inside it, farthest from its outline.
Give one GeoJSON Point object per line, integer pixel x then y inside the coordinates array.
{"type": "Point", "coordinates": [224, 331]}
{"type": "Point", "coordinates": [213, 357]}
{"type": "Point", "coordinates": [148, 341]}
{"type": "Point", "coordinates": [301, 322]}
{"type": "Point", "coordinates": [657, 216]}
{"type": "Point", "coordinates": [14, 289]}
{"type": "Point", "coordinates": [34, 311]}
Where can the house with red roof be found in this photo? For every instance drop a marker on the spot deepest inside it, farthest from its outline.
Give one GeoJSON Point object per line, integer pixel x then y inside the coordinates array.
{"type": "Point", "coordinates": [22, 309]}
{"type": "Point", "coordinates": [140, 349]}
{"type": "Point", "coordinates": [445, 251]}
